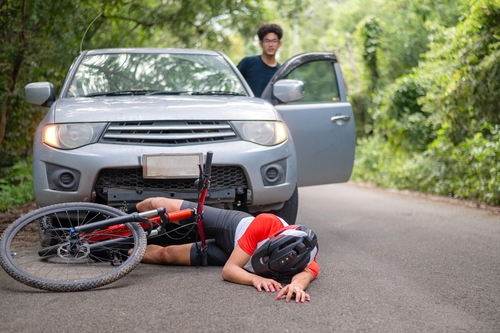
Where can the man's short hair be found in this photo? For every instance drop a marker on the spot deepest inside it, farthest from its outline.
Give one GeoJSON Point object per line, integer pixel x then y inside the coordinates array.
{"type": "Point", "coordinates": [268, 28]}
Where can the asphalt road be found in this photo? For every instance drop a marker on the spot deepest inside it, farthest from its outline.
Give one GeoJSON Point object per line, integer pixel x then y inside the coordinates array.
{"type": "Point", "coordinates": [390, 263]}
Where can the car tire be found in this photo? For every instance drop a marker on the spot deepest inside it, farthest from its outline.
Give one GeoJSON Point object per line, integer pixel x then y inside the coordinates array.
{"type": "Point", "coordinates": [289, 210]}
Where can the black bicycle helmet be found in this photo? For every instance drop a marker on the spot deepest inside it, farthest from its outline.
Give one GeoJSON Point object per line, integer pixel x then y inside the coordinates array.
{"type": "Point", "coordinates": [286, 253]}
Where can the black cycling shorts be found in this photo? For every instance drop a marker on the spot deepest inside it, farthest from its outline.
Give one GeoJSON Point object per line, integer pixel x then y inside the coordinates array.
{"type": "Point", "coordinates": [220, 228]}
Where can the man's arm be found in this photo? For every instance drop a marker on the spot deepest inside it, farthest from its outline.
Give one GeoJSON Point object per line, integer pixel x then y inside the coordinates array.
{"type": "Point", "coordinates": [233, 271]}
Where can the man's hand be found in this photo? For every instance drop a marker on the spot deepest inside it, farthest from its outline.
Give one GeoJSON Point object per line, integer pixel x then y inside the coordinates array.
{"type": "Point", "coordinates": [291, 290]}
{"type": "Point", "coordinates": [268, 285]}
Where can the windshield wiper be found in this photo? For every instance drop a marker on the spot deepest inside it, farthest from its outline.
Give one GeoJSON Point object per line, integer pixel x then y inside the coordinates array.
{"type": "Point", "coordinates": [162, 92]}
{"type": "Point", "coordinates": [167, 92]}
{"type": "Point", "coordinates": [217, 92]}
{"type": "Point", "coordinates": [119, 92]}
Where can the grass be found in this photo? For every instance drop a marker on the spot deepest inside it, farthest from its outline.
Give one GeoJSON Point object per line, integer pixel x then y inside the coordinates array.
{"type": "Point", "coordinates": [16, 185]}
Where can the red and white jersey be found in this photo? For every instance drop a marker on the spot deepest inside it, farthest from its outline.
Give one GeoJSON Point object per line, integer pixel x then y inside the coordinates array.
{"type": "Point", "coordinates": [252, 232]}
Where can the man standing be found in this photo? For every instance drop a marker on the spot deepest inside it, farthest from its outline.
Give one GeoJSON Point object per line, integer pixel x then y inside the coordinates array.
{"type": "Point", "coordinates": [258, 70]}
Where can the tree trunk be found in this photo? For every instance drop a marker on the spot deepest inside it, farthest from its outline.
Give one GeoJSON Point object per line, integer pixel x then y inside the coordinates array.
{"type": "Point", "coordinates": [13, 77]}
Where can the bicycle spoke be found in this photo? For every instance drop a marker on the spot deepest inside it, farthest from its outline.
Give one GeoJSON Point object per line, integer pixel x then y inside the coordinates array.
{"type": "Point", "coordinates": [39, 250]}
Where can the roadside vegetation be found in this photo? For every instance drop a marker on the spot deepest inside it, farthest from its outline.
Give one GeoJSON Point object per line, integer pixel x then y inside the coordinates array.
{"type": "Point", "coordinates": [434, 128]}
{"type": "Point", "coordinates": [423, 76]}
{"type": "Point", "coordinates": [16, 185]}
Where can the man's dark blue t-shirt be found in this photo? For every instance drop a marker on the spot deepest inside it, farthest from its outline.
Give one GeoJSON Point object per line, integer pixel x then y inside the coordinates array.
{"type": "Point", "coordinates": [256, 73]}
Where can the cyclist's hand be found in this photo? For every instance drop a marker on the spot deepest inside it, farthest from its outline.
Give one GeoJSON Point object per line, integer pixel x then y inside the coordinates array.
{"type": "Point", "coordinates": [294, 290]}
{"type": "Point", "coordinates": [268, 285]}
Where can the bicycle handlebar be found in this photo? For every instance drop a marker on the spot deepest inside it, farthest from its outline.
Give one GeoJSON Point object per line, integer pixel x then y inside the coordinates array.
{"type": "Point", "coordinates": [208, 164]}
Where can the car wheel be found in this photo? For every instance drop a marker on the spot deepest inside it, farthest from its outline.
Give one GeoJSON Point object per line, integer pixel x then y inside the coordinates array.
{"type": "Point", "coordinates": [289, 210]}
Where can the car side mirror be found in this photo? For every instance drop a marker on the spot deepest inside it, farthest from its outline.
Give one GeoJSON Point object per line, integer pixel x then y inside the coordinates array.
{"type": "Point", "coordinates": [40, 93]}
{"type": "Point", "coordinates": [287, 91]}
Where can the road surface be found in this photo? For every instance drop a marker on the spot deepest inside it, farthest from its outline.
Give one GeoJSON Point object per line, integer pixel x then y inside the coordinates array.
{"type": "Point", "coordinates": [389, 263]}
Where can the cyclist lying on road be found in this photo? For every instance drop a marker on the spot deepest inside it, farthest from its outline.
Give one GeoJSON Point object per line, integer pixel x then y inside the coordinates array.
{"type": "Point", "coordinates": [258, 251]}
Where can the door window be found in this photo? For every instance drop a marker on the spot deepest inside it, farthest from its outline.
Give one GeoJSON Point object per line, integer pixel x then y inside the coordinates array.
{"type": "Point", "coordinates": [320, 82]}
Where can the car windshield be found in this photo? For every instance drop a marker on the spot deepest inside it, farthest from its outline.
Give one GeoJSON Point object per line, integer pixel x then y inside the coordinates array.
{"type": "Point", "coordinates": [154, 73]}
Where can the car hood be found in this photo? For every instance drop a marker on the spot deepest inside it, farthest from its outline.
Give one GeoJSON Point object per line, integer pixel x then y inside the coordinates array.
{"type": "Point", "coordinates": [137, 108]}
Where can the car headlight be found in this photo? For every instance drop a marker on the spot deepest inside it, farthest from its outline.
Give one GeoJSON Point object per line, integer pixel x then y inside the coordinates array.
{"type": "Point", "coordinates": [267, 133]}
{"type": "Point", "coordinates": [71, 136]}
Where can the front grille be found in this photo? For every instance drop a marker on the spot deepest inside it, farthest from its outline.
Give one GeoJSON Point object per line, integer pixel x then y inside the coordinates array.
{"type": "Point", "coordinates": [168, 132]}
{"type": "Point", "coordinates": [223, 177]}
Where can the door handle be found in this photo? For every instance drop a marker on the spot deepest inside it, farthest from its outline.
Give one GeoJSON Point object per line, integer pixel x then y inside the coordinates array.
{"type": "Point", "coordinates": [340, 119]}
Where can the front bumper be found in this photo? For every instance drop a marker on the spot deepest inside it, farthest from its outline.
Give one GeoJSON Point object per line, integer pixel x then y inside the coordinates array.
{"type": "Point", "coordinates": [259, 165]}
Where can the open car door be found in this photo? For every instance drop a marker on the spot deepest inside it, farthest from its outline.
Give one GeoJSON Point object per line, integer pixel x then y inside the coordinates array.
{"type": "Point", "coordinates": [322, 122]}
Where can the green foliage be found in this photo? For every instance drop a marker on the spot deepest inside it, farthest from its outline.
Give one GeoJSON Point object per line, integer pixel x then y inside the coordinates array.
{"type": "Point", "coordinates": [370, 30]}
{"type": "Point", "coordinates": [180, 23]}
{"type": "Point", "coordinates": [437, 128]}
{"type": "Point", "coordinates": [375, 161]}
{"type": "Point", "coordinates": [470, 170]}
{"type": "Point", "coordinates": [466, 62]}
{"type": "Point", "coordinates": [398, 115]}
{"type": "Point", "coordinates": [16, 185]}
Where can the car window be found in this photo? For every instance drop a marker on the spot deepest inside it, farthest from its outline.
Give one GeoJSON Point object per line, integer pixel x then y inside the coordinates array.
{"type": "Point", "coordinates": [320, 82]}
{"type": "Point", "coordinates": [154, 72]}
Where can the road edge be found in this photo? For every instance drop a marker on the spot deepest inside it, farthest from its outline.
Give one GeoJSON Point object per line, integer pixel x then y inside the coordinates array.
{"type": "Point", "coordinates": [461, 202]}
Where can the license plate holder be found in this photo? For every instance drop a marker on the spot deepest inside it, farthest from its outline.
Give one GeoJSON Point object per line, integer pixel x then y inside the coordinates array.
{"type": "Point", "coordinates": [173, 166]}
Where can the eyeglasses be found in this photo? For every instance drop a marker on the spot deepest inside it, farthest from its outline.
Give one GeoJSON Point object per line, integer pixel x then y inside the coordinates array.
{"type": "Point", "coordinates": [271, 41]}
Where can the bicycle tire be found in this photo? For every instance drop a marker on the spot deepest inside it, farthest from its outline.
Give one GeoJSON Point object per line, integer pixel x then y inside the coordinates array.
{"type": "Point", "coordinates": [69, 266]}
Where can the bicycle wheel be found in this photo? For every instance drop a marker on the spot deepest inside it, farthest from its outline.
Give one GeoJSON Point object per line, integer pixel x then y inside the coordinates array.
{"type": "Point", "coordinates": [39, 250]}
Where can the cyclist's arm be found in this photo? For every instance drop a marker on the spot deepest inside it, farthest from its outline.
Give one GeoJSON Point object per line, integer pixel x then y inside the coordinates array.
{"type": "Point", "coordinates": [303, 279]}
{"type": "Point", "coordinates": [296, 288]}
{"type": "Point", "coordinates": [233, 271]}
{"type": "Point", "coordinates": [171, 205]}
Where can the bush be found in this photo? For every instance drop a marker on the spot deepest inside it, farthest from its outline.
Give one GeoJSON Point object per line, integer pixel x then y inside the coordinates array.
{"type": "Point", "coordinates": [399, 117]}
{"type": "Point", "coordinates": [436, 129]}
{"type": "Point", "coordinates": [16, 185]}
{"type": "Point", "coordinates": [469, 170]}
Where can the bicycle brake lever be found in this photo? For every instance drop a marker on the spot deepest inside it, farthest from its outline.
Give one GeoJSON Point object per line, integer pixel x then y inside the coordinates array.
{"type": "Point", "coordinates": [198, 183]}
{"type": "Point", "coordinates": [163, 216]}
{"type": "Point", "coordinates": [138, 218]}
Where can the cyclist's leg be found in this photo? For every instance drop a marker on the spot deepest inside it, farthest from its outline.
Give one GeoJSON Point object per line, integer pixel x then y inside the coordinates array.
{"type": "Point", "coordinates": [168, 255]}
{"type": "Point", "coordinates": [220, 230]}
{"type": "Point", "coordinates": [215, 255]}
{"type": "Point", "coordinates": [184, 255]}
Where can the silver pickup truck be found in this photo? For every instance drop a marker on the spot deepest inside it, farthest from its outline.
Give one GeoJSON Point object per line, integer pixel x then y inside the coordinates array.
{"type": "Point", "coordinates": [134, 123]}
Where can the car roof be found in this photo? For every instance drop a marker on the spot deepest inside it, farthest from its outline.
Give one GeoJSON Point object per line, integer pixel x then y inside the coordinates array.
{"type": "Point", "coordinates": [150, 50]}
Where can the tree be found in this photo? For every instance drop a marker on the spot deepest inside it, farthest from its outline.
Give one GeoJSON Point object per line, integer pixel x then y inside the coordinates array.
{"type": "Point", "coordinates": [39, 41]}
{"type": "Point", "coordinates": [9, 68]}
{"type": "Point", "coordinates": [463, 99]}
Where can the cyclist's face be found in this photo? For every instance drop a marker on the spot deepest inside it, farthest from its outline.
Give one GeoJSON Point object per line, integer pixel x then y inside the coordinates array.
{"type": "Point", "coordinates": [270, 44]}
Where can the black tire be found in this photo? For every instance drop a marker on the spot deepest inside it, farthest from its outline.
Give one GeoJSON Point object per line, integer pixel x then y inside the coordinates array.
{"type": "Point", "coordinates": [35, 254]}
{"type": "Point", "coordinates": [290, 209]}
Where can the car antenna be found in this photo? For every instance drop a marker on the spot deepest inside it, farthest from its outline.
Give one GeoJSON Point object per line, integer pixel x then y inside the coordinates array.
{"type": "Point", "coordinates": [81, 43]}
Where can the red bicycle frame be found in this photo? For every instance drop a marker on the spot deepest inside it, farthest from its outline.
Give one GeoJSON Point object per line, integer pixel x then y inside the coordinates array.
{"type": "Point", "coordinates": [203, 185]}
